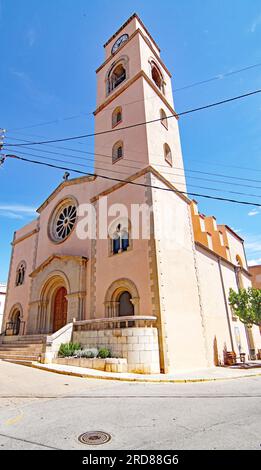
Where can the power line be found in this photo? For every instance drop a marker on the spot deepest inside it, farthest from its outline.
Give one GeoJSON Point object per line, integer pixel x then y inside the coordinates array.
{"type": "Point", "coordinates": [191, 85]}
{"type": "Point", "coordinates": [109, 131]}
{"type": "Point", "coordinates": [217, 77]}
{"type": "Point", "coordinates": [130, 151]}
{"type": "Point", "coordinates": [133, 182]}
{"type": "Point", "coordinates": [156, 164]}
{"type": "Point", "coordinates": [163, 172]}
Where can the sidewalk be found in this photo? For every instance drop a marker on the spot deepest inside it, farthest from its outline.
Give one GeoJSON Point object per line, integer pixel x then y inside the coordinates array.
{"type": "Point", "coordinates": [200, 375]}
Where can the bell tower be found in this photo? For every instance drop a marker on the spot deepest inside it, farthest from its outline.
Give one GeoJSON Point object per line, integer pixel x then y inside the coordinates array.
{"type": "Point", "coordinates": [133, 87]}
{"type": "Point", "coordinates": [137, 141]}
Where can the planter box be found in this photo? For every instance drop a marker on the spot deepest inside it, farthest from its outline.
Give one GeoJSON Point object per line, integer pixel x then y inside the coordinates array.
{"type": "Point", "coordinates": [108, 365]}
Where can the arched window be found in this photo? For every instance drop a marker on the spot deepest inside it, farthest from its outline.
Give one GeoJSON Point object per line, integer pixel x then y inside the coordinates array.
{"type": "Point", "coordinates": [16, 322]}
{"type": "Point", "coordinates": [163, 118]}
{"type": "Point", "coordinates": [116, 77]}
{"type": "Point", "coordinates": [157, 76]}
{"type": "Point", "coordinates": [117, 151]}
{"type": "Point", "coordinates": [167, 154]}
{"type": "Point", "coordinates": [20, 274]}
{"type": "Point", "coordinates": [120, 240]}
{"type": "Point", "coordinates": [116, 116]}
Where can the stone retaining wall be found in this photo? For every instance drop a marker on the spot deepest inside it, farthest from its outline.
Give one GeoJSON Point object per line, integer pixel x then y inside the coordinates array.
{"type": "Point", "coordinates": [138, 345]}
{"type": "Point", "coordinates": [107, 365]}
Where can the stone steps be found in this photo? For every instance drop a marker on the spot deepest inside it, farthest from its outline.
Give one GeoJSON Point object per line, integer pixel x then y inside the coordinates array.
{"type": "Point", "coordinates": [15, 357]}
{"type": "Point", "coordinates": [22, 348]}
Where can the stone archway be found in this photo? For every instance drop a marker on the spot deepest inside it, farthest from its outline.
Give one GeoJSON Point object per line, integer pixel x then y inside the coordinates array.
{"type": "Point", "coordinates": [121, 297]}
{"type": "Point", "coordinates": [53, 305]}
{"type": "Point", "coordinates": [15, 319]}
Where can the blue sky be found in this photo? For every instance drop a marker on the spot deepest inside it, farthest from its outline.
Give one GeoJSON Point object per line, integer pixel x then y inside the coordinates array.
{"type": "Point", "coordinates": [49, 53]}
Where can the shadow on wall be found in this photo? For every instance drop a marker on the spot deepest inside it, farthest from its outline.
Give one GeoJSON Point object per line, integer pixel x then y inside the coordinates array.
{"type": "Point", "coordinates": [215, 352]}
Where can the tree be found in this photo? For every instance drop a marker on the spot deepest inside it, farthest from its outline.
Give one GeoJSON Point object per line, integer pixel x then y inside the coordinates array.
{"type": "Point", "coordinates": [246, 305]}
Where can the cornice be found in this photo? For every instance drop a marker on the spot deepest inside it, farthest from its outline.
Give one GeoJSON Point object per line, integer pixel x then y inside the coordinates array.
{"type": "Point", "coordinates": [27, 235]}
{"type": "Point", "coordinates": [247, 273]}
{"type": "Point", "coordinates": [62, 185]}
{"type": "Point", "coordinates": [77, 258]}
{"type": "Point", "coordinates": [129, 82]}
{"type": "Point", "coordinates": [148, 169]}
{"type": "Point", "coordinates": [138, 31]}
{"type": "Point", "coordinates": [124, 26]}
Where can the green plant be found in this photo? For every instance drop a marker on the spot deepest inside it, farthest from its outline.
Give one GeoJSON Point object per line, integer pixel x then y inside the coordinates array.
{"type": "Point", "coordinates": [68, 349]}
{"type": "Point", "coordinates": [103, 353]}
{"type": "Point", "coordinates": [246, 304]}
{"type": "Point", "coordinates": [88, 353]}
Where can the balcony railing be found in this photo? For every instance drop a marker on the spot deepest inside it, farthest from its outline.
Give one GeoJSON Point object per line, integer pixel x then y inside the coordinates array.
{"type": "Point", "coordinates": [115, 322]}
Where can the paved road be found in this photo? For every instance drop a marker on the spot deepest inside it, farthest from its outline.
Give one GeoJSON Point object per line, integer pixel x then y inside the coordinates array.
{"type": "Point", "coordinates": [43, 410]}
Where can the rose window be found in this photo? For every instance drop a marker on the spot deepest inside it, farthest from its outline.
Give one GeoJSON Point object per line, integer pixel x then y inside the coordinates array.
{"type": "Point", "coordinates": [63, 221]}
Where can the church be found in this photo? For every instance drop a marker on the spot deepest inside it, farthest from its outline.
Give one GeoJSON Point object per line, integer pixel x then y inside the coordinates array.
{"type": "Point", "coordinates": [154, 292]}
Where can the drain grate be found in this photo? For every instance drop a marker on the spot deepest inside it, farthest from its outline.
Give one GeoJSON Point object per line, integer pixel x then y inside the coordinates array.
{"type": "Point", "coordinates": [94, 438]}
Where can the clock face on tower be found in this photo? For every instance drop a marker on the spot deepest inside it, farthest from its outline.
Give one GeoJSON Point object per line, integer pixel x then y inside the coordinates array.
{"type": "Point", "coordinates": [119, 42]}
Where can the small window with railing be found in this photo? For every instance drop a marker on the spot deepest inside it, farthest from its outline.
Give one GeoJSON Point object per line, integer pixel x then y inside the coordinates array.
{"type": "Point", "coordinates": [163, 118]}
{"type": "Point", "coordinates": [117, 151]}
{"type": "Point", "coordinates": [116, 116]}
{"type": "Point", "coordinates": [167, 154]}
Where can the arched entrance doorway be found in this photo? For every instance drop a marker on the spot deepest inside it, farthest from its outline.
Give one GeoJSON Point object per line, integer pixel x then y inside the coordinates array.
{"type": "Point", "coordinates": [16, 321]}
{"type": "Point", "coordinates": [60, 306]}
{"type": "Point", "coordinates": [126, 307]}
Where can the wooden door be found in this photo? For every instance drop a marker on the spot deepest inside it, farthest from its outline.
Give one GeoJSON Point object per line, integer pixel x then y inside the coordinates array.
{"type": "Point", "coordinates": [60, 309]}
{"type": "Point", "coordinates": [126, 308]}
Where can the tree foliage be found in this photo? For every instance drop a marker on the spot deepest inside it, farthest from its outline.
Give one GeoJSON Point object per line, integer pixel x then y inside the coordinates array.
{"type": "Point", "coordinates": [246, 305]}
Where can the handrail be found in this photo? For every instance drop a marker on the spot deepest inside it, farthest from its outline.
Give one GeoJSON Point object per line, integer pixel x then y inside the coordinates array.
{"type": "Point", "coordinates": [116, 319]}
{"type": "Point", "coordinates": [56, 334]}
{"type": "Point", "coordinates": [115, 322]}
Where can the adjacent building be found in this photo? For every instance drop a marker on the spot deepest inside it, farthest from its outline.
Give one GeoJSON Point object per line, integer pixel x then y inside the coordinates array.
{"type": "Point", "coordinates": [255, 272]}
{"type": "Point", "coordinates": [2, 302]}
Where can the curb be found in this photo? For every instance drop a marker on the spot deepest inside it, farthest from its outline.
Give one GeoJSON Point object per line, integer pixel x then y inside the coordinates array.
{"type": "Point", "coordinates": [136, 379]}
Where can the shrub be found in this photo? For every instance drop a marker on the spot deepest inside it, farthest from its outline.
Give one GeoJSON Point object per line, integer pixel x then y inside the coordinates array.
{"type": "Point", "coordinates": [68, 349]}
{"type": "Point", "coordinates": [89, 353]}
{"type": "Point", "coordinates": [103, 353]}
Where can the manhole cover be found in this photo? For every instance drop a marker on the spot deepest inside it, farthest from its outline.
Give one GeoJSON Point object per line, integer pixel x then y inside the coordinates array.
{"type": "Point", "coordinates": [94, 438]}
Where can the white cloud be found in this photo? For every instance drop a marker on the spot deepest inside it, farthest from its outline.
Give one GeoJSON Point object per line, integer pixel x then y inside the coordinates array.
{"type": "Point", "coordinates": [253, 212]}
{"type": "Point", "coordinates": [253, 262]}
{"type": "Point", "coordinates": [255, 24]}
{"type": "Point", "coordinates": [32, 90]}
{"type": "Point", "coordinates": [16, 211]}
{"type": "Point", "coordinates": [31, 36]}
{"type": "Point", "coordinates": [253, 244]}
{"type": "Point", "coordinates": [10, 215]}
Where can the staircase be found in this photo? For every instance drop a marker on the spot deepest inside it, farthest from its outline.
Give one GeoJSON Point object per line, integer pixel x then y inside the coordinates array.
{"type": "Point", "coordinates": [22, 348]}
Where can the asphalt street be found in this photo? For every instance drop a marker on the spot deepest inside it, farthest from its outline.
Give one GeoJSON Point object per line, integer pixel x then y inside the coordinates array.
{"type": "Point", "coordinates": [44, 410]}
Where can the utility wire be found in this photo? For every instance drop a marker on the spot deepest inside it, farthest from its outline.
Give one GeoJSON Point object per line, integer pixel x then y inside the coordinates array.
{"type": "Point", "coordinates": [156, 164]}
{"type": "Point", "coordinates": [109, 131]}
{"type": "Point", "coordinates": [217, 77]}
{"type": "Point", "coordinates": [163, 172]}
{"type": "Point", "coordinates": [207, 196]}
{"type": "Point", "coordinates": [191, 85]}
{"type": "Point", "coordinates": [130, 151]}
